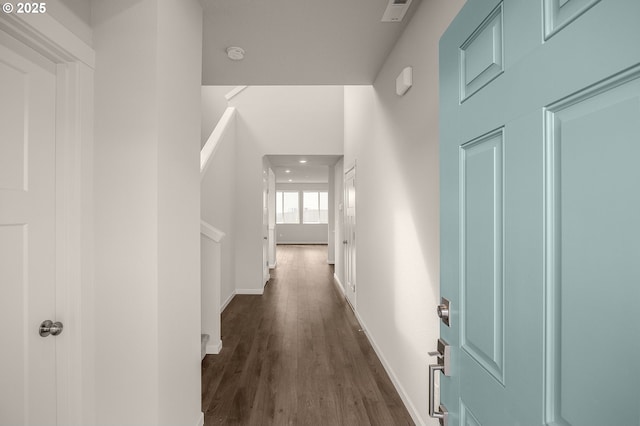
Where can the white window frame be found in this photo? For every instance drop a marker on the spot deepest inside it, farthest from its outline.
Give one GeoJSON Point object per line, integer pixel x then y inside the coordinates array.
{"type": "Point", "coordinates": [318, 193]}
{"type": "Point", "coordinates": [282, 207]}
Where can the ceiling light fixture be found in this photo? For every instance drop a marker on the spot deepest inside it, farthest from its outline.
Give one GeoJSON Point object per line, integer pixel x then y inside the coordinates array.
{"type": "Point", "coordinates": [303, 161]}
{"type": "Point", "coordinates": [290, 180]}
{"type": "Point", "coordinates": [235, 53]}
{"type": "Point", "coordinates": [287, 171]}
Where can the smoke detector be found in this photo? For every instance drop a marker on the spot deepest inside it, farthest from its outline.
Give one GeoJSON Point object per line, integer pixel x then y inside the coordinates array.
{"type": "Point", "coordinates": [396, 9]}
{"type": "Point", "coordinates": [235, 53]}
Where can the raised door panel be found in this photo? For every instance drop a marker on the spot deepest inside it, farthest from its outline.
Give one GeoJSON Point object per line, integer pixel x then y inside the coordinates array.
{"type": "Point", "coordinates": [13, 244]}
{"type": "Point", "coordinates": [593, 239]}
{"type": "Point", "coordinates": [481, 55]}
{"type": "Point", "coordinates": [482, 286]}
{"type": "Point", "coordinates": [13, 120]}
{"type": "Point", "coordinates": [560, 13]}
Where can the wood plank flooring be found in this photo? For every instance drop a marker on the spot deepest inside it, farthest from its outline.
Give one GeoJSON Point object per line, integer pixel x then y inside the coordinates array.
{"type": "Point", "coordinates": [296, 355]}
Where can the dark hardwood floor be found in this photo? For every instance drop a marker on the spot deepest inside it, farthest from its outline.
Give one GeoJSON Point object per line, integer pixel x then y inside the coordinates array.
{"type": "Point", "coordinates": [296, 356]}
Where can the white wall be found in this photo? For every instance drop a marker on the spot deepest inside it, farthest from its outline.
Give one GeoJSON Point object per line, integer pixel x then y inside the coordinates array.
{"type": "Point", "coordinates": [146, 200]}
{"type": "Point", "coordinates": [395, 142]}
{"type": "Point", "coordinates": [276, 120]}
{"type": "Point", "coordinates": [302, 234]}
{"type": "Point", "coordinates": [179, 60]}
{"type": "Point", "coordinates": [218, 199]}
{"type": "Point", "coordinates": [214, 104]}
{"type": "Point", "coordinates": [75, 15]}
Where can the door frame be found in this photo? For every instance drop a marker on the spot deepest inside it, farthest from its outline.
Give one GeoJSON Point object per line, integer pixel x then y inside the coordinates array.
{"type": "Point", "coordinates": [75, 62]}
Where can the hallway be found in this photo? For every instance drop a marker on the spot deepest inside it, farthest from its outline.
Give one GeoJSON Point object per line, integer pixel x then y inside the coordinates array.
{"type": "Point", "coordinates": [296, 355]}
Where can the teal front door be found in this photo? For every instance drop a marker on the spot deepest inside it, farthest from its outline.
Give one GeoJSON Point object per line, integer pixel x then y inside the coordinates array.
{"type": "Point", "coordinates": [540, 212]}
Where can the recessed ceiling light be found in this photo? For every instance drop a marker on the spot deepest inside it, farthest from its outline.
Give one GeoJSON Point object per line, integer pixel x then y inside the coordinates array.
{"type": "Point", "coordinates": [303, 161]}
{"type": "Point", "coordinates": [290, 180]}
{"type": "Point", "coordinates": [287, 171]}
{"type": "Point", "coordinates": [235, 53]}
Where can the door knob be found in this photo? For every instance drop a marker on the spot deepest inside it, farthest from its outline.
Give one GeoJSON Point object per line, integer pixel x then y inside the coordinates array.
{"type": "Point", "coordinates": [344, 241]}
{"type": "Point", "coordinates": [49, 327]}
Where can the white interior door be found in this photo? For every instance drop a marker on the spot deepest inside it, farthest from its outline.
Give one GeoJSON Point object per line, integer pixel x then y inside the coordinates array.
{"type": "Point", "coordinates": [350, 235]}
{"type": "Point", "coordinates": [272, 219]}
{"type": "Point", "coordinates": [265, 228]}
{"type": "Point", "coordinates": [27, 234]}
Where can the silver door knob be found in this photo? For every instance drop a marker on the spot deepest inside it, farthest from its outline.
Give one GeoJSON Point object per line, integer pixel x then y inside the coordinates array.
{"type": "Point", "coordinates": [49, 327]}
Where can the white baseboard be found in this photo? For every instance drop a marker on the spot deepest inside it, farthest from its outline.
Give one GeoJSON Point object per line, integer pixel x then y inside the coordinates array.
{"type": "Point", "coordinates": [214, 348]}
{"type": "Point", "coordinates": [338, 283]}
{"type": "Point", "coordinates": [304, 243]}
{"type": "Point", "coordinates": [258, 291]}
{"type": "Point", "coordinates": [200, 421]}
{"type": "Point", "coordinates": [415, 415]}
{"type": "Point", "coordinates": [226, 302]}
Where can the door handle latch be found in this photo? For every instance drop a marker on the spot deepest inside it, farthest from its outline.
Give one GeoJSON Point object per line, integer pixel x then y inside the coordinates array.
{"type": "Point", "coordinates": [443, 365]}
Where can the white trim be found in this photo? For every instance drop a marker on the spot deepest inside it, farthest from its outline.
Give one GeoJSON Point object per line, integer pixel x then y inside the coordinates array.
{"type": "Point", "coordinates": [211, 232]}
{"type": "Point", "coordinates": [226, 302]}
{"type": "Point", "coordinates": [49, 37]}
{"type": "Point", "coordinates": [256, 291]}
{"type": "Point", "coordinates": [415, 415]}
{"type": "Point", "coordinates": [273, 265]}
{"type": "Point", "coordinates": [337, 281]}
{"type": "Point", "coordinates": [214, 349]}
{"type": "Point", "coordinates": [235, 91]}
{"type": "Point", "coordinates": [308, 243]}
{"type": "Point", "coordinates": [211, 146]}
{"type": "Point", "coordinates": [200, 421]}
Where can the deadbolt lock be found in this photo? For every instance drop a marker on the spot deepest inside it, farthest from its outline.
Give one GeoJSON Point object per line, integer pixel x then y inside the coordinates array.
{"type": "Point", "coordinates": [443, 311]}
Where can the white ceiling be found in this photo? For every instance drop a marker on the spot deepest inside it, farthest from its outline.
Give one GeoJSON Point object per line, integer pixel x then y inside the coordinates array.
{"type": "Point", "coordinates": [315, 170]}
{"type": "Point", "coordinates": [297, 42]}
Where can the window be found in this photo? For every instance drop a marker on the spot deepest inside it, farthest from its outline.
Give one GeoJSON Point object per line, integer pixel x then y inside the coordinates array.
{"type": "Point", "coordinates": [315, 207]}
{"type": "Point", "coordinates": [313, 204]}
{"type": "Point", "coordinates": [287, 207]}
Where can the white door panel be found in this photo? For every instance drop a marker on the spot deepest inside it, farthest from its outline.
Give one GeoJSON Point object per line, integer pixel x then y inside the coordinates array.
{"type": "Point", "coordinates": [27, 235]}
{"type": "Point", "coordinates": [350, 235]}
